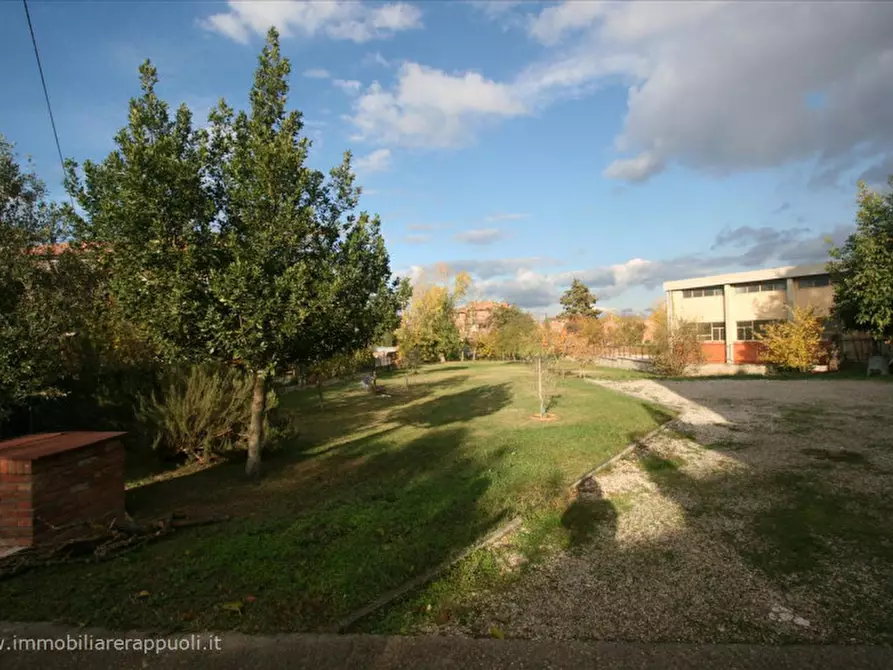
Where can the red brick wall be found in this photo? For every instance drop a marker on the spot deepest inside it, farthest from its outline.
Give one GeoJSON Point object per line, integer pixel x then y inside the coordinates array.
{"type": "Point", "coordinates": [747, 352]}
{"type": "Point", "coordinates": [714, 352]}
{"type": "Point", "coordinates": [16, 512]}
{"type": "Point", "coordinates": [50, 487]}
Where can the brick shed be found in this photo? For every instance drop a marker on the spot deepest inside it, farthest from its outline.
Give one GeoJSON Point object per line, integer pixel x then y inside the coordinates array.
{"type": "Point", "coordinates": [50, 483]}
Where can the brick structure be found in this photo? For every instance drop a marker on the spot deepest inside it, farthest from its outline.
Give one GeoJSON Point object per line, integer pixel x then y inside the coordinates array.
{"type": "Point", "coordinates": [474, 317]}
{"type": "Point", "coordinates": [50, 483]}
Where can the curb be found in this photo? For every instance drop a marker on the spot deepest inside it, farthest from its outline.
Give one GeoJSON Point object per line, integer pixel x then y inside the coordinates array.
{"type": "Point", "coordinates": [616, 457]}
{"type": "Point", "coordinates": [423, 578]}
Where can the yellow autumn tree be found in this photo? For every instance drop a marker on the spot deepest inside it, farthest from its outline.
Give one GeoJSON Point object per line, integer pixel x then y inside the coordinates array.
{"type": "Point", "coordinates": [428, 329]}
{"type": "Point", "coordinates": [795, 344]}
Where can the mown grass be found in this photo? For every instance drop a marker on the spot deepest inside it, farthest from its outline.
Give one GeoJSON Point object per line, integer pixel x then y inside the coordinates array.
{"type": "Point", "coordinates": [374, 491]}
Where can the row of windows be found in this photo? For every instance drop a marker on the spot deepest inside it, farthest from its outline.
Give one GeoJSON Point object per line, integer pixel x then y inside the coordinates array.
{"type": "Point", "coordinates": [712, 332]}
{"type": "Point", "coordinates": [747, 330]}
{"type": "Point", "coordinates": [816, 281]}
{"type": "Point", "coordinates": [702, 292]}
{"type": "Point", "coordinates": [762, 286]}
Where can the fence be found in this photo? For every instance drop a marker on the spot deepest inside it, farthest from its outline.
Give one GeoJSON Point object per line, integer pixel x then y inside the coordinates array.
{"type": "Point", "coordinates": [637, 353]}
{"type": "Point", "coordinates": [858, 347]}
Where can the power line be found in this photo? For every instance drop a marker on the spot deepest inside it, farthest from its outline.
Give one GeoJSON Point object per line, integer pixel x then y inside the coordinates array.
{"type": "Point", "coordinates": [43, 83]}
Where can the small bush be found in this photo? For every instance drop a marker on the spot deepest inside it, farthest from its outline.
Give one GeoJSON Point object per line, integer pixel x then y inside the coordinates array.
{"type": "Point", "coordinates": [795, 344]}
{"type": "Point", "coordinates": [675, 349]}
{"type": "Point", "coordinates": [200, 412]}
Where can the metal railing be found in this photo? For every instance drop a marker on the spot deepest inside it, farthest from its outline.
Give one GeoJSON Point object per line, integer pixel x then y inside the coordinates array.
{"type": "Point", "coordinates": [639, 352]}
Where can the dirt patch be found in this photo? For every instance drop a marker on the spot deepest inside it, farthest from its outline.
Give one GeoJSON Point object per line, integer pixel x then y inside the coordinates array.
{"type": "Point", "coordinates": [545, 419]}
{"type": "Point", "coordinates": [758, 515]}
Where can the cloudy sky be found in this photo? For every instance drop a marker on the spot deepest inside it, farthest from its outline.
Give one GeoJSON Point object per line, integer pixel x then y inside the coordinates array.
{"type": "Point", "coordinates": [528, 143]}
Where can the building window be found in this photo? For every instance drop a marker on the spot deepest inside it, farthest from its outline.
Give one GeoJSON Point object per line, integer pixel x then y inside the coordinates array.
{"type": "Point", "coordinates": [747, 330]}
{"type": "Point", "coordinates": [702, 292]}
{"type": "Point", "coordinates": [817, 281]}
{"type": "Point", "coordinates": [712, 332]}
{"type": "Point", "coordinates": [762, 286]}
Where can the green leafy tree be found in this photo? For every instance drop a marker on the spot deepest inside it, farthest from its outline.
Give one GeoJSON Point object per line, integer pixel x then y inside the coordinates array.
{"type": "Point", "coordinates": [224, 245]}
{"type": "Point", "coordinates": [35, 313]}
{"type": "Point", "coordinates": [578, 300]}
{"type": "Point", "coordinates": [513, 332]}
{"type": "Point", "coordinates": [862, 269]}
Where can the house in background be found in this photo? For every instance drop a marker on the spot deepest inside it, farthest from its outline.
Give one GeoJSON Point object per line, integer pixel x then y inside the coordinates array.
{"type": "Point", "coordinates": [730, 309]}
{"type": "Point", "coordinates": [385, 357]}
{"type": "Point", "coordinates": [474, 317]}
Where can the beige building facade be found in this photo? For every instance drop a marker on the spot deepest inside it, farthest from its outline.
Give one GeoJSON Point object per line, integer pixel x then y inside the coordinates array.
{"type": "Point", "coordinates": [730, 309]}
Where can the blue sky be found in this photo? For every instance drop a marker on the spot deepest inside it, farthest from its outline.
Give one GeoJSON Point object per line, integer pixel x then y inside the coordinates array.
{"type": "Point", "coordinates": [528, 143]}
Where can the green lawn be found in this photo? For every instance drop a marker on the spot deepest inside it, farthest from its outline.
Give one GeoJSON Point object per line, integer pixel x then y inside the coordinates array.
{"type": "Point", "coordinates": [374, 491]}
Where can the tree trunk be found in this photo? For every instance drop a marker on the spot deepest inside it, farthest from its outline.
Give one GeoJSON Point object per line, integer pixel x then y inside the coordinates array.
{"type": "Point", "coordinates": [539, 384]}
{"type": "Point", "coordinates": [474, 354]}
{"type": "Point", "coordinates": [256, 427]}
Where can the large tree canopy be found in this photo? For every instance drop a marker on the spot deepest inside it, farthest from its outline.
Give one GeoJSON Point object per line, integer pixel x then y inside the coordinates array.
{"type": "Point", "coordinates": [578, 300]}
{"type": "Point", "coordinates": [34, 316]}
{"type": "Point", "coordinates": [226, 245]}
{"type": "Point", "coordinates": [862, 269]}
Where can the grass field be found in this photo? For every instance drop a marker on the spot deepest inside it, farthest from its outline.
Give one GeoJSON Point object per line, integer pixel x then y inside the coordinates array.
{"type": "Point", "coordinates": [374, 491]}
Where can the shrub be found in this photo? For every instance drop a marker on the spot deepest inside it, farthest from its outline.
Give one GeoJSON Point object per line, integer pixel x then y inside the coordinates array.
{"type": "Point", "coordinates": [795, 344]}
{"type": "Point", "coordinates": [676, 347]}
{"type": "Point", "coordinates": [200, 412]}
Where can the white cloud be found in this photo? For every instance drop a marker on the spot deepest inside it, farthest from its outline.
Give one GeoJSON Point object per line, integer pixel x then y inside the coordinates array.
{"type": "Point", "coordinates": [430, 108]}
{"type": "Point", "coordinates": [349, 86]}
{"type": "Point", "coordinates": [336, 19]}
{"type": "Point", "coordinates": [228, 25]}
{"type": "Point", "coordinates": [480, 236]}
{"type": "Point", "coordinates": [377, 161]}
{"type": "Point", "coordinates": [506, 216]}
{"type": "Point", "coordinates": [640, 168]}
{"type": "Point", "coordinates": [376, 58]}
{"type": "Point", "coordinates": [316, 73]}
{"type": "Point", "coordinates": [555, 22]}
{"type": "Point", "coordinates": [715, 87]}
{"type": "Point", "coordinates": [519, 280]}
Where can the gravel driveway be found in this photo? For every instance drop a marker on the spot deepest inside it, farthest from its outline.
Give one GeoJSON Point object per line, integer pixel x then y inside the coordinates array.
{"type": "Point", "coordinates": [763, 513]}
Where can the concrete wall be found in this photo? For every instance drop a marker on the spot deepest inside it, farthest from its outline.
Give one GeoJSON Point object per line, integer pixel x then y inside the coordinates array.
{"type": "Point", "coordinates": [705, 309]}
{"type": "Point", "coordinates": [754, 306]}
{"type": "Point", "coordinates": [821, 298]}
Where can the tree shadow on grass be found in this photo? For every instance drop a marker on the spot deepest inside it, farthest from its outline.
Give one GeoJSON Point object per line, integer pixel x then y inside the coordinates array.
{"type": "Point", "coordinates": [463, 406]}
{"type": "Point", "coordinates": [314, 550]}
{"type": "Point", "coordinates": [311, 475]}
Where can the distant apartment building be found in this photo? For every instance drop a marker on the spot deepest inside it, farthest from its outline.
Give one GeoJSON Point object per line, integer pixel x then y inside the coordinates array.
{"type": "Point", "coordinates": [610, 323]}
{"type": "Point", "coordinates": [474, 317]}
{"type": "Point", "coordinates": [731, 309]}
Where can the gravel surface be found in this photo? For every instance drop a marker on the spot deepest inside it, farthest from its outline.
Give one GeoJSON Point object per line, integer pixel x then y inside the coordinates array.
{"type": "Point", "coordinates": [675, 559]}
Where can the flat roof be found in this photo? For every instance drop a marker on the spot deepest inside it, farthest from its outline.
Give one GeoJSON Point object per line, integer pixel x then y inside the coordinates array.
{"type": "Point", "coordinates": [748, 276]}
